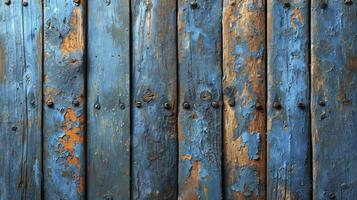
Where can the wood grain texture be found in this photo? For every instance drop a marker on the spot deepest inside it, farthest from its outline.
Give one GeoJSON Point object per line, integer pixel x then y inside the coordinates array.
{"type": "Point", "coordinates": [244, 90]}
{"type": "Point", "coordinates": [288, 120]}
{"type": "Point", "coordinates": [200, 113]}
{"type": "Point", "coordinates": [108, 100]}
{"type": "Point", "coordinates": [64, 116]}
{"type": "Point", "coordinates": [20, 100]}
{"type": "Point", "coordinates": [154, 136]}
{"type": "Point", "coordinates": [334, 95]}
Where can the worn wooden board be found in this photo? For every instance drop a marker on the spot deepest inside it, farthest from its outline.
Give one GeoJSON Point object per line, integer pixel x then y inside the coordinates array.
{"type": "Point", "coordinates": [244, 55]}
{"type": "Point", "coordinates": [64, 115]}
{"type": "Point", "coordinates": [288, 120]}
{"type": "Point", "coordinates": [199, 123]}
{"type": "Point", "coordinates": [20, 100]}
{"type": "Point", "coordinates": [154, 136]}
{"type": "Point", "coordinates": [108, 100]}
{"type": "Point", "coordinates": [334, 95]}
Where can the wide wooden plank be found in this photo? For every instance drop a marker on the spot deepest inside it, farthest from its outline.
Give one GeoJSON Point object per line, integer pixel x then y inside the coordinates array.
{"type": "Point", "coordinates": [244, 55]}
{"type": "Point", "coordinates": [63, 86]}
{"type": "Point", "coordinates": [334, 95]}
{"type": "Point", "coordinates": [200, 112]}
{"type": "Point", "coordinates": [108, 100]}
{"type": "Point", "coordinates": [288, 127]}
{"type": "Point", "coordinates": [154, 136]}
{"type": "Point", "coordinates": [20, 100]}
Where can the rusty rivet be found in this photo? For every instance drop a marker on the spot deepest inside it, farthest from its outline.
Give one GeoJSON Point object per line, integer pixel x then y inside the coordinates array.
{"type": "Point", "coordinates": [25, 3]}
{"type": "Point", "coordinates": [277, 105]}
{"type": "Point", "coordinates": [97, 106]}
{"type": "Point", "coordinates": [331, 195]}
{"type": "Point", "coordinates": [215, 104]}
{"type": "Point", "coordinates": [76, 102]}
{"type": "Point", "coordinates": [14, 127]}
{"type": "Point", "coordinates": [322, 103]}
{"type": "Point", "coordinates": [108, 197]}
{"type": "Point", "coordinates": [33, 103]}
{"type": "Point", "coordinates": [167, 106]}
{"type": "Point", "coordinates": [186, 105]}
{"type": "Point", "coordinates": [122, 106]}
{"type": "Point", "coordinates": [348, 2]}
{"type": "Point", "coordinates": [50, 103]}
{"type": "Point", "coordinates": [286, 5]}
{"type": "Point", "coordinates": [323, 4]}
{"type": "Point", "coordinates": [107, 2]}
{"type": "Point", "coordinates": [138, 104]}
{"type": "Point", "coordinates": [259, 106]}
{"type": "Point", "coordinates": [77, 2]}
{"type": "Point", "coordinates": [194, 4]}
{"type": "Point", "coordinates": [231, 102]}
{"type": "Point", "coordinates": [301, 105]}
{"type": "Point", "coordinates": [7, 2]}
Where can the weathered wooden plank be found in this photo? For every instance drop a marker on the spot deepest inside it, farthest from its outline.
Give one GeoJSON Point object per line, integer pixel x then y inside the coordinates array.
{"type": "Point", "coordinates": [288, 127]}
{"type": "Point", "coordinates": [154, 139]}
{"type": "Point", "coordinates": [64, 120]}
{"type": "Point", "coordinates": [334, 94]}
{"type": "Point", "coordinates": [199, 123]}
{"type": "Point", "coordinates": [244, 55]}
{"type": "Point", "coordinates": [20, 100]}
{"type": "Point", "coordinates": [108, 100]}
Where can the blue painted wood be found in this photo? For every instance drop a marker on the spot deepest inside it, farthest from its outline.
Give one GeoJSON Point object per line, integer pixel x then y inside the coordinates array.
{"type": "Point", "coordinates": [154, 133]}
{"type": "Point", "coordinates": [244, 89]}
{"type": "Point", "coordinates": [200, 113]}
{"type": "Point", "coordinates": [20, 100]}
{"type": "Point", "coordinates": [63, 86]}
{"type": "Point", "coordinates": [108, 100]}
{"type": "Point", "coordinates": [288, 120]}
{"type": "Point", "coordinates": [334, 95]}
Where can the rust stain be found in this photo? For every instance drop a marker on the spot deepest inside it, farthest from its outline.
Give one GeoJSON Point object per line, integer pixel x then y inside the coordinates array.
{"type": "Point", "coordinates": [74, 40]}
{"type": "Point", "coordinates": [296, 18]}
{"type": "Point", "coordinates": [351, 69]}
{"type": "Point", "coordinates": [185, 157]}
{"type": "Point", "coordinates": [72, 136]}
{"type": "Point", "coordinates": [2, 65]}
{"type": "Point", "coordinates": [191, 183]}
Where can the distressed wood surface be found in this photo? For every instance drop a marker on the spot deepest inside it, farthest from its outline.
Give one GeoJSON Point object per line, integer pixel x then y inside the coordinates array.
{"type": "Point", "coordinates": [244, 97]}
{"type": "Point", "coordinates": [64, 115]}
{"type": "Point", "coordinates": [20, 100]}
{"type": "Point", "coordinates": [288, 120]}
{"type": "Point", "coordinates": [154, 136]}
{"type": "Point", "coordinates": [199, 123]}
{"type": "Point", "coordinates": [334, 95]}
{"type": "Point", "coordinates": [108, 100]}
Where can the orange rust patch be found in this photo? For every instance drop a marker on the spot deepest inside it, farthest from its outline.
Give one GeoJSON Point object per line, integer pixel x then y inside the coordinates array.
{"type": "Point", "coordinates": [191, 183]}
{"type": "Point", "coordinates": [2, 65]}
{"type": "Point", "coordinates": [72, 136]}
{"type": "Point", "coordinates": [296, 15]}
{"type": "Point", "coordinates": [74, 40]}
{"type": "Point", "coordinates": [80, 185]}
{"type": "Point", "coordinates": [185, 157]}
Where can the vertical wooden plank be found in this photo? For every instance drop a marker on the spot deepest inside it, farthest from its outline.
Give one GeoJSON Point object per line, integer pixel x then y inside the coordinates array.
{"type": "Point", "coordinates": [288, 127]}
{"type": "Point", "coordinates": [20, 101]}
{"type": "Point", "coordinates": [244, 99]}
{"type": "Point", "coordinates": [199, 125]}
{"type": "Point", "coordinates": [64, 120]}
{"type": "Point", "coordinates": [108, 99]}
{"type": "Point", "coordinates": [334, 95]}
{"type": "Point", "coordinates": [154, 142]}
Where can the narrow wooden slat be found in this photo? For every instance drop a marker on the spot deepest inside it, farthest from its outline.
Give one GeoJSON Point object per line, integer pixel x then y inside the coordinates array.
{"type": "Point", "coordinates": [199, 123]}
{"type": "Point", "coordinates": [20, 100]}
{"type": "Point", "coordinates": [334, 98]}
{"type": "Point", "coordinates": [63, 86]}
{"type": "Point", "coordinates": [154, 136]}
{"type": "Point", "coordinates": [288, 127]}
{"type": "Point", "coordinates": [108, 100]}
{"type": "Point", "coordinates": [244, 54]}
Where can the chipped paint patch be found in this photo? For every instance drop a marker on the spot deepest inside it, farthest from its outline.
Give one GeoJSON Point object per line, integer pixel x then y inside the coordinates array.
{"type": "Point", "coordinates": [36, 172]}
{"type": "Point", "coordinates": [188, 190]}
{"type": "Point", "coordinates": [247, 181]}
{"type": "Point", "coordinates": [252, 141]}
{"type": "Point", "coordinates": [74, 40]}
{"type": "Point", "coordinates": [296, 18]}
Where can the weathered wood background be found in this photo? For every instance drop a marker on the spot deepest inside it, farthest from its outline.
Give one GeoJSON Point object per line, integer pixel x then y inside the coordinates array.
{"type": "Point", "coordinates": [178, 99]}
